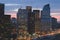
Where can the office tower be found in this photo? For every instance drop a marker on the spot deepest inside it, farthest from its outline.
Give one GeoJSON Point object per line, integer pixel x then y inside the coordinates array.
{"type": "Point", "coordinates": [31, 23]}
{"type": "Point", "coordinates": [46, 18]}
{"type": "Point", "coordinates": [58, 25]}
{"type": "Point", "coordinates": [54, 23]}
{"type": "Point", "coordinates": [5, 23]}
{"type": "Point", "coordinates": [5, 26]}
{"type": "Point", "coordinates": [37, 20]}
{"type": "Point", "coordinates": [31, 16]}
{"type": "Point", "coordinates": [1, 13]}
{"type": "Point", "coordinates": [22, 17]}
{"type": "Point", "coordinates": [45, 13]}
{"type": "Point", "coordinates": [1, 9]}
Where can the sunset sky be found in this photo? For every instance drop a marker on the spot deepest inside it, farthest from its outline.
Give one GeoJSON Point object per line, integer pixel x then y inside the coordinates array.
{"type": "Point", "coordinates": [12, 6]}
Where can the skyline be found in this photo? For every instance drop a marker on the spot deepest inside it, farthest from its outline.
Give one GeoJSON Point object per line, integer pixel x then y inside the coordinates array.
{"type": "Point", "coordinates": [12, 6]}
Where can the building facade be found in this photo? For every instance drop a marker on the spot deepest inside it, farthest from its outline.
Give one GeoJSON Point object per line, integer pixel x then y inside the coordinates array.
{"type": "Point", "coordinates": [31, 21]}
{"type": "Point", "coordinates": [54, 23]}
{"type": "Point", "coordinates": [1, 9]}
{"type": "Point", "coordinates": [1, 12]}
{"type": "Point", "coordinates": [37, 21]}
{"type": "Point", "coordinates": [46, 18]}
{"type": "Point", "coordinates": [22, 17]}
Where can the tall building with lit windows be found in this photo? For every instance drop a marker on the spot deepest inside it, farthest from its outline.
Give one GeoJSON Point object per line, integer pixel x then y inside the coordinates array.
{"type": "Point", "coordinates": [3, 18]}
{"type": "Point", "coordinates": [25, 19]}
{"type": "Point", "coordinates": [37, 20]}
{"type": "Point", "coordinates": [5, 21]}
{"type": "Point", "coordinates": [46, 18]}
{"type": "Point", "coordinates": [22, 16]}
{"type": "Point", "coordinates": [31, 21]}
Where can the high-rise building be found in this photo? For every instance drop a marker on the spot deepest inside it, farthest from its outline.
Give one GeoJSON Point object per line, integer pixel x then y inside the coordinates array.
{"type": "Point", "coordinates": [31, 23]}
{"type": "Point", "coordinates": [37, 20]}
{"type": "Point", "coordinates": [31, 16]}
{"type": "Point", "coordinates": [45, 13]}
{"type": "Point", "coordinates": [3, 18]}
{"type": "Point", "coordinates": [46, 18]}
{"type": "Point", "coordinates": [1, 12]}
{"type": "Point", "coordinates": [25, 19]}
{"type": "Point", "coordinates": [58, 25]}
{"type": "Point", "coordinates": [1, 9]}
{"type": "Point", "coordinates": [54, 23]}
{"type": "Point", "coordinates": [22, 17]}
{"type": "Point", "coordinates": [5, 22]}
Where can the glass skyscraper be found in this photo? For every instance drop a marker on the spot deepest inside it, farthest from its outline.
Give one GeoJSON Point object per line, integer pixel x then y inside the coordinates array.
{"type": "Point", "coordinates": [46, 18]}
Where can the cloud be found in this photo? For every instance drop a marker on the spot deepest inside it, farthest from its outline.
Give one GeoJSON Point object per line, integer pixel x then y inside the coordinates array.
{"type": "Point", "coordinates": [12, 13]}
{"type": "Point", "coordinates": [55, 14]}
{"type": "Point", "coordinates": [15, 9]}
{"type": "Point", "coordinates": [57, 17]}
{"type": "Point", "coordinates": [13, 4]}
{"type": "Point", "coordinates": [36, 9]}
{"type": "Point", "coordinates": [12, 10]}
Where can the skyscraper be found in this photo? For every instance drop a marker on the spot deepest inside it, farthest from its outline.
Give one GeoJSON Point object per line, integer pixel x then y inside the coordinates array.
{"type": "Point", "coordinates": [54, 23]}
{"type": "Point", "coordinates": [46, 18]}
{"type": "Point", "coordinates": [31, 21]}
{"type": "Point", "coordinates": [1, 12]}
{"type": "Point", "coordinates": [1, 9]}
{"type": "Point", "coordinates": [22, 17]}
{"type": "Point", "coordinates": [45, 13]}
{"type": "Point", "coordinates": [37, 20]}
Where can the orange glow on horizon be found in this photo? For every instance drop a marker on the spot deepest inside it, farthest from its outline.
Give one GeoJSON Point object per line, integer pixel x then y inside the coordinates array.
{"type": "Point", "coordinates": [56, 16]}
{"type": "Point", "coordinates": [13, 16]}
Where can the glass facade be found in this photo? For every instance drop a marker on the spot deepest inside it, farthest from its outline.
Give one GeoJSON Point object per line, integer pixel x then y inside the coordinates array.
{"type": "Point", "coordinates": [46, 18]}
